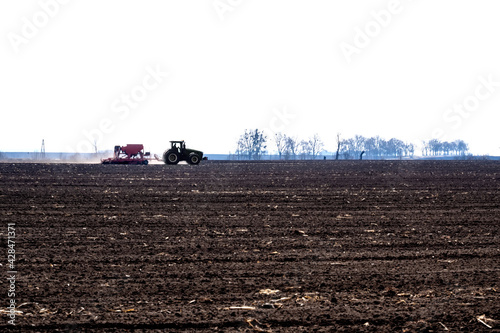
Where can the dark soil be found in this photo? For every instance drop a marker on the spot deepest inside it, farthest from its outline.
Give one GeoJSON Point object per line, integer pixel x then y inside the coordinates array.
{"type": "Point", "coordinates": [319, 246]}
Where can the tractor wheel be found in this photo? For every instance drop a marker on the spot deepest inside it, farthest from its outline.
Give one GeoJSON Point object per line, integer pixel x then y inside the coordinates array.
{"type": "Point", "coordinates": [194, 159]}
{"type": "Point", "coordinates": [145, 162]}
{"type": "Point", "coordinates": [171, 157]}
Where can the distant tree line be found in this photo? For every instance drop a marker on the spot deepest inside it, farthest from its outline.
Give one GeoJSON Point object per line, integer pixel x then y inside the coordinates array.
{"type": "Point", "coordinates": [375, 148]}
{"type": "Point", "coordinates": [436, 147]}
{"type": "Point", "coordinates": [253, 145]}
{"type": "Point", "coordinates": [378, 148]}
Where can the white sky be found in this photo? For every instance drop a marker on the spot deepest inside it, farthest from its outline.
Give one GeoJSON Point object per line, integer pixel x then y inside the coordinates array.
{"type": "Point", "coordinates": [264, 58]}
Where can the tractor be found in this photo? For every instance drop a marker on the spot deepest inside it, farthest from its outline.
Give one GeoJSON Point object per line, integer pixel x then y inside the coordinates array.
{"type": "Point", "coordinates": [178, 152]}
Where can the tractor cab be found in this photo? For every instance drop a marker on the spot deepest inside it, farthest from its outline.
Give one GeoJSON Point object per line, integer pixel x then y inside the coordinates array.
{"type": "Point", "coordinates": [178, 145]}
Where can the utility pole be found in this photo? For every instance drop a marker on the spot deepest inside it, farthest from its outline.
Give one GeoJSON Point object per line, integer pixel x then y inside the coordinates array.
{"type": "Point", "coordinates": [42, 150]}
{"type": "Point", "coordinates": [338, 146]}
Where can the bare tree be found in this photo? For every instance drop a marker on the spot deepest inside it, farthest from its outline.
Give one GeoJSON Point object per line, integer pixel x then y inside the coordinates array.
{"type": "Point", "coordinates": [291, 147]}
{"type": "Point", "coordinates": [338, 146]}
{"type": "Point", "coordinates": [252, 144]}
{"type": "Point", "coordinates": [348, 148]}
{"type": "Point", "coordinates": [316, 145]}
{"type": "Point", "coordinates": [280, 140]}
{"type": "Point", "coordinates": [371, 147]}
{"type": "Point", "coordinates": [305, 149]}
{"type": "Point", "coordinates": [259, 144]}
{"type": "Point", "coordinates": [245, 145]}
{"type": "Point", "coordinates": [425, 148]}
{"type": "Point", "coordinates": [395, 147]}
{"type": "Point", "coordinates": [359, 143]}
{"type": "Point", "coordinates": [454, 147]}
{"type": "Point", "coordinates": [435, 146]}
{"type": "Point", "coordinates": [462, 147]}
{"type": "Point", "coordinates": [410, 149]}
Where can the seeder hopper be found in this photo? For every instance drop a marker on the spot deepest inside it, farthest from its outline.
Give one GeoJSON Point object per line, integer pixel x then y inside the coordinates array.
{"type": "Point", "coordinates": [129, 154]}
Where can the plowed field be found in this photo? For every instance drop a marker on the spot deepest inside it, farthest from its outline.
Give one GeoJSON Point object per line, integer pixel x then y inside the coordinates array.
{"type": "Point", "coordinates": [375, 246]}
